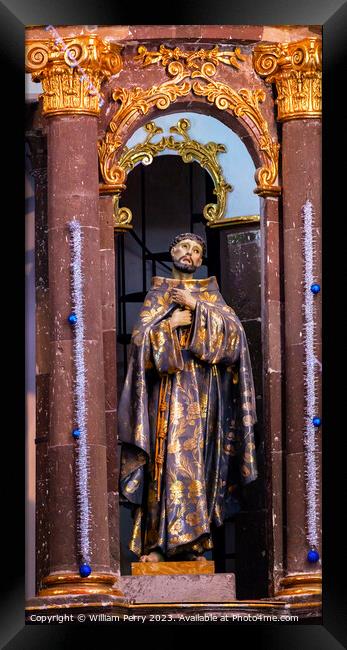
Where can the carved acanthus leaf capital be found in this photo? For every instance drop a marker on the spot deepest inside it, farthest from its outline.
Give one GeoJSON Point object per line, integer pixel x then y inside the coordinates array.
{"type": "Point", "coordinates": [296, 69]}
{"type": "Point", "coordinates": [71, 71]}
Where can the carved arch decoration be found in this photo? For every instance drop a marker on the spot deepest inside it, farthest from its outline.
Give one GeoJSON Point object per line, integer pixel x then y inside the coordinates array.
{"type": "Point", "coordinates": [187, 77]}
{"type": "Point", "coordinates": [189, 150]}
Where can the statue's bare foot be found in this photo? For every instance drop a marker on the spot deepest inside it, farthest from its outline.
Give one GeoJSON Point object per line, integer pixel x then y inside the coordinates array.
{"type": "Point", "coordinates": [200, 558]}
{"type": "Point", "coordinates": [153, 556]}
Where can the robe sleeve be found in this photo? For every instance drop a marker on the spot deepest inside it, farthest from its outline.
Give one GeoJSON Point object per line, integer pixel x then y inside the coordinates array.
{"type": "Point", "coordinates": [215, 335]}
{"type": "Point", "coordinates": [166, 349]}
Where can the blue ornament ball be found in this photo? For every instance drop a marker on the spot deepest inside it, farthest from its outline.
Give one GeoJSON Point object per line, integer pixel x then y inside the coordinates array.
{"type": "Point", "coordinates": [85, 570]}
{"type": "Point", "coordinates": [315, 288]}
{"type": "Point", "coordinates": [313, 555]}
{"type": "Point", "coordinates": [72, 319]}
{"type": "Point", "coordinates": [316, 421]}
{"type": "Point", "coordinates": [76, 433]}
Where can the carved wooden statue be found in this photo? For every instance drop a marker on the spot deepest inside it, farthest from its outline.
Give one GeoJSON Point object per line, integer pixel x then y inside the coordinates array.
{"type": "Point", "coordinates": [187, 412]}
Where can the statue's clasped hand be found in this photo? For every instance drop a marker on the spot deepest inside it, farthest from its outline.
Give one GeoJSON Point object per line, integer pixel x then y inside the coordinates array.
{"type": "Point", "coordinates": [180, 318]}
{"type": "Point", "coordinates": [184, 297]}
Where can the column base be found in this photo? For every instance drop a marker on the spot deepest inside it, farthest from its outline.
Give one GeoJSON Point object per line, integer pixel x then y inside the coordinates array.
{"type": "Point", "coordinates": [64, 584]}
{"type": "Point", "coordinates": [300, 584]}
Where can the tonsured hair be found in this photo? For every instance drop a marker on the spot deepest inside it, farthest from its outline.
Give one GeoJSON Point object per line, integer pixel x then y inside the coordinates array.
{"type": "Point", "coordinates": [189, 235]}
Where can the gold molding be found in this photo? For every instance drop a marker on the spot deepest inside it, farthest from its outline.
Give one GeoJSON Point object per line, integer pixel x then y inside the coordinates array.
{"type": "Point", "coordinates": [300, 584]}
{"type": "Point", "coordinates": [189, 150]}
{"type": "Point", "coordinates": [71, 71]}
{"type": "Point", "coordinates": [71, 583]}
{"type": "Point", "coordinates": [244, 104]}
{"type": "Point", "coordinates": [235, 221]}
{"type": "Point", "coordinates": [105, 189]}
{"type": "Point", "coordinates": [296, 69]}
{"type": "Point", "coordinates": [236, 604]}
{"type": "Point", "coordinates": [243, 605]}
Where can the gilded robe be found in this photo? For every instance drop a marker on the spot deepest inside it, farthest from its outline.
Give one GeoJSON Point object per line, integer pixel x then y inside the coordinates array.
{"type": "Point", "coordinates": [192, 387]}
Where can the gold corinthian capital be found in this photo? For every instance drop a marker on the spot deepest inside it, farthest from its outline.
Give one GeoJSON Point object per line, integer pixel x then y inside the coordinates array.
{"type": "Point", "coordinates": [71, 71]}
{"type": "Point", "coordinates": [296, 69]}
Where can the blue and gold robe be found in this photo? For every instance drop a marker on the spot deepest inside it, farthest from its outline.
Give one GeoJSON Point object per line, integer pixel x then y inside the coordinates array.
{"type": "Point", "coordinates": [185, 420]}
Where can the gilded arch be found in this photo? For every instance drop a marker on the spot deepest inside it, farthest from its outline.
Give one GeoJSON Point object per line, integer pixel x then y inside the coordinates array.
{"type": "Point", "coordinates": [188, 77]}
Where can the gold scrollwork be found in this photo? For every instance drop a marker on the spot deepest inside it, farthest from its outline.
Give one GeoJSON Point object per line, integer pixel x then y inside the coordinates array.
{"type": "Point", "coordinates": [189, 150]}
{"type": "Point", "coordinates": [189, 77]}
{"type": "Point", "coordinates": [245, 105]}
{"type": "Point", "coordinates": [122, 216]}
{"type": "Point", "coordinates": [132, 103]}
{"type": "Point", "coordinates": [144, 151]}
{"type": "Point", "coordinates": [71, 71]}
{"type": "Point", "coordinates": [166, 55]}
{"type": "Point", "coordinates": [296, 69]}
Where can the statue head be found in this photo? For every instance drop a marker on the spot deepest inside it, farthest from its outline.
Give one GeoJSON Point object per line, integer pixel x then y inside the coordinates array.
{"type": "Point", "coordinates": [187, 252]}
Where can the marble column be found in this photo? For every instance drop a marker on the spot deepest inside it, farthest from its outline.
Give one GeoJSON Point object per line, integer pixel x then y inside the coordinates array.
{"type": "Point", "coordinates": [295, 68]}
{"type": "Point", "coordinates": [301, 165]}
{"type": "Point", "coordinates": [71, 100]}
{"type": "Point", "coordinates": [108, 298]}
{"type": "Point", "coordinates": [272, 326]}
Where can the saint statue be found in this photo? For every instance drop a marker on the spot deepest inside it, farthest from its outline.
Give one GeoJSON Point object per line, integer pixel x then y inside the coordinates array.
{"type": "Point", "coordinates": [186, 413]}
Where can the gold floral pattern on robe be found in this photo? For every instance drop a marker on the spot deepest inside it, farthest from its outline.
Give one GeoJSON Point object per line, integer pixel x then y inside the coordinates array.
{"type": "Point", "coordinates": [209, 417]}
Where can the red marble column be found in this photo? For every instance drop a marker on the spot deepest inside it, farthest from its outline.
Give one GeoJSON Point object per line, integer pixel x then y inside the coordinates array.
{"type": "Point", "coordinates": [108, 297]}
{"type": "Point", "coordinates": [73, 194]}
{"type": "Point", "coordinates": [272, 327]}
{"type": "Point", "coordinates": [301, 168]}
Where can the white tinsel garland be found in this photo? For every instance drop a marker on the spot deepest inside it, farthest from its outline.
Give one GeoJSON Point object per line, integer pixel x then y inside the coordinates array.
{"type": "Point", "coordinates": [310, 378]}
{"type": "Point", "coordinates": [82, 463]}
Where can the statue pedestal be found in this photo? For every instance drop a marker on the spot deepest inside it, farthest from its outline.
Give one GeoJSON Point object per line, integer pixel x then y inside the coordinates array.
{"type": "Point", "coordinates": [198, 586]}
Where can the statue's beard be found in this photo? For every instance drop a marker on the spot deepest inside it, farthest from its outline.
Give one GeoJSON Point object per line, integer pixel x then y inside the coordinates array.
{"type": "Point", "coordinates": [184, 267]}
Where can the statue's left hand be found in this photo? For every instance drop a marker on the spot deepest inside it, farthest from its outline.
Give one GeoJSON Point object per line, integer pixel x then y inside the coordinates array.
{"type": "Point", "coordinates": [183, 297]}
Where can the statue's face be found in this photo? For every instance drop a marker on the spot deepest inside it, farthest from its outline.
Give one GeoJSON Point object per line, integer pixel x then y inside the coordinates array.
{"type": "Point", "coordinates": [187, 254]}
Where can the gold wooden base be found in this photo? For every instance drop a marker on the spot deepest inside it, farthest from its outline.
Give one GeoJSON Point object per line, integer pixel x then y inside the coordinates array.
{"type": "Point", "coordinates": [124, 228]}
{"type": "Point", "coordinates": [272, 190]}
{"type": "Point", "coordinates": [195, 567]}
{"type": "Point", "coordinates": [105, 189]}
{"type": "Point", "coordinates": [71, 583]}
{"type": "Point", "coordinates": [300, 584]}
{"type": "Point", "coordinates": [228, 222]}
